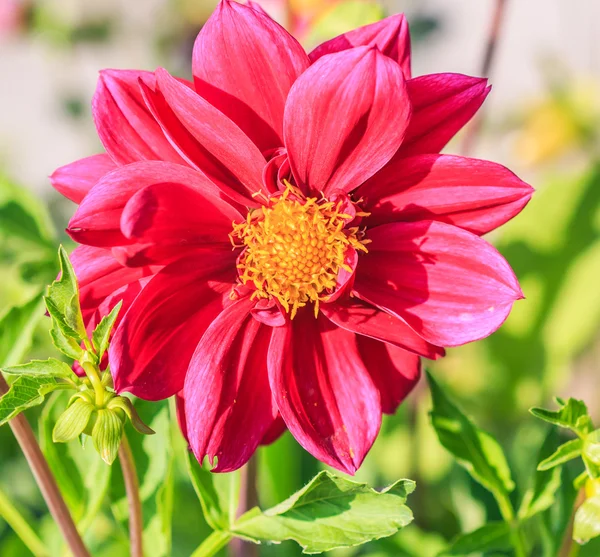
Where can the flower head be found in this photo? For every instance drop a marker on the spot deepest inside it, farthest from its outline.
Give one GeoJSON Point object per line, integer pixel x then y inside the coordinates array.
{"type": "Point", "coordinates": [285, 235]}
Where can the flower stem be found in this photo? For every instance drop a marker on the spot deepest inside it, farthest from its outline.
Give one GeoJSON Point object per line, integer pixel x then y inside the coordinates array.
{"type": "Point", "coordinates": [20, 526]}
{"type": "Point", "coordinates": [491, 48]}
{"type": "Point", "coordinates": [508, 514]}
{"type": "Point", "coordinates": [213, 544]}
{"type": "Point", "coordinates": [132, 487]}
{"type": "Point", "coordinates": [45, 480]}
{"type": "Point", "coordinates": [248, 499]}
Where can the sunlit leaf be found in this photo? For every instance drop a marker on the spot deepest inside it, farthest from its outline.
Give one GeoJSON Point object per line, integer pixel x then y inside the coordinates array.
{"type": "Point", "coordinates": [494, 536]}
{"type": "Point", "coordinates": [567, 451]}
{"type": "Point", "coordinates": [573, 414]}
{"type": "Point", "coordinates": [50, 368]}
{"type": "Point", "coordinates": [16, 330]}
{"type": "Point", "coordinates": [331, 512]}
{"type": "Point", "coordinates": [101, 334]}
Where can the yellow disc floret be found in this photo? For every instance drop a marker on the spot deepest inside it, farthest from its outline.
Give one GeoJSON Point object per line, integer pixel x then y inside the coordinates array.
{"type": "Point", "coordinates": [295, 248]}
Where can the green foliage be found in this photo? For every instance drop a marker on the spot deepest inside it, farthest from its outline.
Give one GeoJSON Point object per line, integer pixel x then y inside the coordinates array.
{"type": "Point", "coordinates": [17, 327]}
{"type": "Point", "coordinates": [49, 368]}
{"type": "Point", "coordinates": [573, 414]}
{"type": "Point", "coordinates": [331, 512]}
{"type": "Point", "coordinates": [101, 334]}
{"type": "Point", "coordinates": [564, 453]}
{"type": "Point", "coordinates": [587, 520]}
{"type": "Point", "coordinates": [107, 434]}
{"type": "Point", "coordinates": [494, 536]}
{"type": "Point", "coordinates": [477, 451]}
{"type": "Point", "coordinates": [73, 421]}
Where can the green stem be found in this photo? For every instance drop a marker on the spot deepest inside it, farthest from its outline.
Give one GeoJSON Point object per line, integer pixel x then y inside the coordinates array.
{"type": "Point", "coordinates": [508, 514]}
{"type": "Point", "coordinates": [132, 488]}
{"type": "Point", "coordinates": [213, 544]}
{"type": "Point", "coordinates": [20, 526]}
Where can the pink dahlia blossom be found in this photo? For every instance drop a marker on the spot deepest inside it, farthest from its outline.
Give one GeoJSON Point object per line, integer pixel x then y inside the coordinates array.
{"type": "Point", "coordinates": [285, 235]}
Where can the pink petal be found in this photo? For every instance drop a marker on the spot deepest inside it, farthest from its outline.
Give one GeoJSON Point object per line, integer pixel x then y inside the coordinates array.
{"type": "Point", "coordinates": [244, 64]}
{"type": "Point", "coordinates": [125, 126]}
{"type": "Point", "coordinates": [152, 347]}
{"type": "Point", "coordinates": [206, 138]}
{"type": "Point", "coordinates": [390, 35]}
{"type": "Point", "coordinates": [75, 180]}
{"type": "Point", "coordinates": [449, 285]}
{"type": "Point", "coordinates": [442, 105]}
{"type": "Point", "coordinates": [344, 119]}
{"type": "Point", "coordinates": [229, 405]}
{"type": "Point", "coordinates": [362, 318]}
{"type": "Point", "coordinates": [178, 216]}
{"type": "Point", "coordinates": [394, 371]}
{"type": "Point", "coordinates": [103, 281]}
{"type": "Point", "coordinates": [97, 221]}
{"type": "Point", "coordinates": [473, 194]}
{"type": "Point", "coordinates": [323, 390]}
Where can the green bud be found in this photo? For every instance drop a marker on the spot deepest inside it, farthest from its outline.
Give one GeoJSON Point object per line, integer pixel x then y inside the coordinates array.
{"type": "Point", "coordinates": [591, 447]}
{"type": "Point", "coordinates": [107, 434]}
{"type": "Point", "coordinates": [73, 420]}
{"type": "Point", "coordinates": [587, 520]}
{"type": "Point", "coordinates": [124, 404]}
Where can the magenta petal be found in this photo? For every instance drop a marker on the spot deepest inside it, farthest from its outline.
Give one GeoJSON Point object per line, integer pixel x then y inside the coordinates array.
{"type": "Point", "coordinates": [97, 221]}
{"type": "Point", "coordinates": [206, 138]}
{"type": "Point", "coordinates": [103, 281]}
{"type": "Point", "coordinates": [344, 119]}
{"type": "Point", "coordinates": [229, 406]}
{"type": "Point", "coordinates": [442, 105]}
{"type": "Point", "coordinates": [244, 64]}
{"type": "Point", "coordinates": [152, 347]}
{"type": "Point", "coordinates": [394, 371]}
{"type": "Point", "coordinates": [125, 126]}
{"type": "Point", "coordinates": [390, 35]}
{"type": "Point", "coordinates": [449, 285]}
{"type": "Point", "coordinates": [362, 318]}
{"type": "Point", "coordinates": [75, 180]}
{"type": "Point", "coordinates": [323, 390]}
{"type": "Point", "coordinates": [473, 194]}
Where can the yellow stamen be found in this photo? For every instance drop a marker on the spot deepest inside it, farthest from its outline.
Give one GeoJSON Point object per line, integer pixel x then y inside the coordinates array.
{"type": "Point", "coordinates": [295, 249]}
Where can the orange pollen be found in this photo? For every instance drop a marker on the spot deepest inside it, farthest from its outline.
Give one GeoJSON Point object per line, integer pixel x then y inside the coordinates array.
{"type": "Point", "coordinates": [294, 249]}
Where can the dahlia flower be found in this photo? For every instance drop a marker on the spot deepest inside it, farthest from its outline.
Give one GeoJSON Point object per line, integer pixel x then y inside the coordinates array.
{"type": "Point", "coordinates": [285, 236]}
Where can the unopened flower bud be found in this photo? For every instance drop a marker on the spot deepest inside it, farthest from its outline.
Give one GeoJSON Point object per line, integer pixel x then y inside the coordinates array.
{"type": "Point", "coordinates": [73, 421]}
{"type": "Point", "coordinates": [107, 434]}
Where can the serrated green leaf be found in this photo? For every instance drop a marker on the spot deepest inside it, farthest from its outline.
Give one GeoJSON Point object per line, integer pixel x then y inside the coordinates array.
{"type": "Point", "coordinates": [107, 434]}
{"type": "Point", "coordinates": [572, 415]}
{"type": "Point", "coordinates": [330, 512]}
{"type": "Point", "coordinates": [16, 330]}
{"type": "Point", "coordinates": [64, 344]}
{"type": "Point", "coordinates": [587, 520]}
{"type": "Point", "coordinates": [567, 451]}
{"type": "Point", "coordinates": [62, 300]}
{"type": "Point", "coordinates": [48, 368]}
{"type": "Point", "coordinates": [26, 392]}
{"type": "Point", "coordinates": [72, 421]}
{"type": "Point", "coordinates": [218, 493]}
{"type": "Point", "coordinates": [494, 536]}
{"type": "Point", "coordinates": [474, 449]}
{"type": "Point", "coordinates": [547, 482]}
{"type": "Point", "coordinates": [101, 334]}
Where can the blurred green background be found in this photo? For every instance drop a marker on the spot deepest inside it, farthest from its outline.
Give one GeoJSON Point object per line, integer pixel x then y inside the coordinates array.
{"type": "Point", "coordinates": [542, 120]}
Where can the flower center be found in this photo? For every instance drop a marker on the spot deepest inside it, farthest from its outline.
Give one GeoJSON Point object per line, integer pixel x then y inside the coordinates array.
{"type": "Point", "coordinates": [295, 248]}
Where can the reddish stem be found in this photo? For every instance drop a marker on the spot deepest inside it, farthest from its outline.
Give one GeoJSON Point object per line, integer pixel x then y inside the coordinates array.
{"type": "Point", "coordinates": [132, 488]}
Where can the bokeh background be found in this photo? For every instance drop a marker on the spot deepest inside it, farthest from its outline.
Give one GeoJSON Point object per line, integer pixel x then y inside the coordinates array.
{"type": "Point", "coordinates": [542, 120]}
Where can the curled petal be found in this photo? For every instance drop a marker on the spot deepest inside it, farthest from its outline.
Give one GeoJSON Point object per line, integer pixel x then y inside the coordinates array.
{"type": "Point", "coordinates": [229, 407]}
{"type": "Point", "coordinates": [344, 119]}
{"type": "Point", "coordinates": [449, 285]}
{"type": "Point", "coordinates": [244, 64]}
{"type": "Point", "coordinates": [75, 180]}
{"type": "Point", "coordinates": [442, 105]}
{"type": "Point", "coordinates": [394, 371]}
{"type": "Point", "coordinates": [324, 393]}
{"type": "Point", "coordinates": [476, 195]}
{"type": "Point", "coordinates": [152, 348]}
{"type": "Point", "coordinates": [125, 126]}
{"type": "Point", "coordinates": [390, 35]}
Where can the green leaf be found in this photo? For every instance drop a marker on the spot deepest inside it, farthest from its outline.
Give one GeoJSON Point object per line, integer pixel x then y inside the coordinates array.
{"type": "Point", "coordinates": [101, 334]}
{"type": "Point", "coordinates": [218, 493]}
{"type": "Point", "coordinates": [591, 447]}
{"type": "Point", "coordinates": [107, 434]}
{"type": "Point", "coordinates": [73, 421]}
{"type": "Point", "coordinates": [64, 344]}
{"type": "Point", "coordinates": [573, 415]}
{"type": "Point", "coordinates": [129, 409]}
{"type": "Point", "coordinates": [62, 300]}
{"type": "Point", "coordinates": [474, 449]}
{"type": "Point", "coordinates": [587, 520]}
{"type": "Point", "coordinates": [48, 368]}
{"type": "Point", "coordinates": [17, 327]}
{"type": "Point", "coordinates": [547, 482]}
{"type": "Point", "coordinates": [26, 392]}
{"type": "Point", "coordinates": [330, 512]}
{"type": "Point", "coordinates": [494, 536]}
{"type": "Point", "coordinates": [564, 453]}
